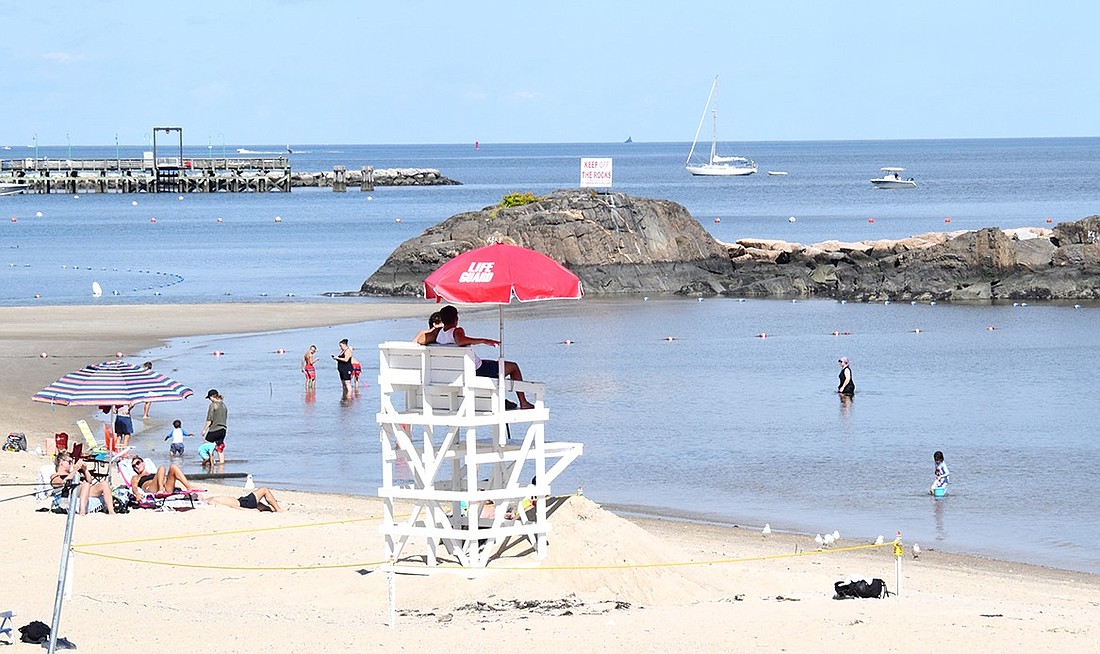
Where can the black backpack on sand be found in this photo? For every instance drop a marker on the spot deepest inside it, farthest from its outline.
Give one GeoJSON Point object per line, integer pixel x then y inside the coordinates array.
{"type": "Point", "coordinates": [861, 588]}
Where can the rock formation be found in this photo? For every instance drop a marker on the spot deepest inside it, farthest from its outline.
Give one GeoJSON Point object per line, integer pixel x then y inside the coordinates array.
{"type": "Point", "coordinates": [614, 242]}
{"type": "Point", "coordinates": [621, 244]}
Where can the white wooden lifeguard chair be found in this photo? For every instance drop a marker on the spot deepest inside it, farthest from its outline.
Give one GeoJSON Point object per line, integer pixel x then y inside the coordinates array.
{"type": "Point", "coordinates": [474, 465]}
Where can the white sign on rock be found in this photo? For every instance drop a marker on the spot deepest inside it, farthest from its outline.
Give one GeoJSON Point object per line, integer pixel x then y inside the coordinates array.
{"type": "Point", "coordinates": [595, 173]}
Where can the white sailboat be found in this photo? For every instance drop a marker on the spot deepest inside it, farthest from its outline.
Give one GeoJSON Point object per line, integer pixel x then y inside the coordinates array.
{"type": "Point", "coordinates": [715, 165]}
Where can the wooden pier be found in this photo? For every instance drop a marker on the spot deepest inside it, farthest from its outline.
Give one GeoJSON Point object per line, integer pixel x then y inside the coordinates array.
{"type": "Point", "coordinates": [149, 175]}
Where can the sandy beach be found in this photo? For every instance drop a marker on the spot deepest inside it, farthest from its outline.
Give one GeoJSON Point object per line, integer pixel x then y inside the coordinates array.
{"type": "Point", "coordinates": [311, 578]}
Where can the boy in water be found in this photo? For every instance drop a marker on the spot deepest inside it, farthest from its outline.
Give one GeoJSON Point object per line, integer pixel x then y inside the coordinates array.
{"type": "Point", "coordinates": [943, 475]}
{"type": "Point", "coordinates": [308, 359]}
{"type": "Point", "coordinates": [175, 448]}
{"type": "Point", "coordinates": [206, 454]}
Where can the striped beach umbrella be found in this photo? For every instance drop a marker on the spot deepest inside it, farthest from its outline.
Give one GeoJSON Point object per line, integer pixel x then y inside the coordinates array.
{"type": "Point", "coordinates": [109, 383]}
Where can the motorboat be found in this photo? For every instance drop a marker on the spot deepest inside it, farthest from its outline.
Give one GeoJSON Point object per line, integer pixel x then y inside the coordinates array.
{"type": "Point", "coordinates": [12, 188]}
{"type": "Point", "coordinates": [777, 173]}
{"type": "Point", "coordinates": [891, 178]}
{"type": "Point", "coordinates": [715, 165]}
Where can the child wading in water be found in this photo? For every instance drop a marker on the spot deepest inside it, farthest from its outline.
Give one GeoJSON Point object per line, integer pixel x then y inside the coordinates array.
{"type": "Point", "coordinates": [943, 475]}
{"type": "Point", "coordinates": [175, 448]}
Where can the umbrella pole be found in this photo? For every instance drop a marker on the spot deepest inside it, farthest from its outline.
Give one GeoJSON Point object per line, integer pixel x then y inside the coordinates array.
{"type": "Point", "coordinates": [63, 572]}
{"type": "Point", "coordinates": [500, 360]}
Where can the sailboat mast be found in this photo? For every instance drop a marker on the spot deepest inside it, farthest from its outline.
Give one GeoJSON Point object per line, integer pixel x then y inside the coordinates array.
{"type": "Point", "coordinates": [703, 117]}
{"type": "Point", "coordinates": [714, 137]}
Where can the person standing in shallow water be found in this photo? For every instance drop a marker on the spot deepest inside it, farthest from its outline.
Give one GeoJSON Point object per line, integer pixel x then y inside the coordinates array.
{"type": "Point", "coordinates": [343, 365]}
{"type": "Point", "coordinates": [847, 385]}
{"type": "Point", "coordinates": [308, 359]}
{"type": "Point", "coordinates": [214, 429]}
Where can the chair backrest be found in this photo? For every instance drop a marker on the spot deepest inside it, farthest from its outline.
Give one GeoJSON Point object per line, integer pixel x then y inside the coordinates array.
{"type": "Point", "coordinates": [89, 437]}
{"type": "Point", "coordinates": [44, 490]}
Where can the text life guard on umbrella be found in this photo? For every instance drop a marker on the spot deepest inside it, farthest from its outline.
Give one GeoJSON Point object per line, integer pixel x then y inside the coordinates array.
{"type": "Point", "coordinates": [477, 272]}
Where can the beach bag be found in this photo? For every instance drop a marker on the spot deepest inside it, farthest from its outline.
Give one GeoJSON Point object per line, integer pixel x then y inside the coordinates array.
{"type": "Point", "coordinates": [860, 588]}
{"type": "Point", "coordinates": [34, 632]}
{"type": "Point", "coordinates": [16, 442]}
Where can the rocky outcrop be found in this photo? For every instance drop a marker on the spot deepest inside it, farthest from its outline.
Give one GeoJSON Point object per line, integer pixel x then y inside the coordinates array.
{"type": "Point", "coordinates": [614, 242]}
{"type": "Point", "coordinates": [621, 244]}
{"type": "Point", "coordinates": [989, 264]}
{"type": "Point", "coordinates": [382, 177]}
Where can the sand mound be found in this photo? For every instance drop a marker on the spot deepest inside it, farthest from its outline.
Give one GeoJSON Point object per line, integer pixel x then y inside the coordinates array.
{"type": "Point", "coordinates": [593, 556]}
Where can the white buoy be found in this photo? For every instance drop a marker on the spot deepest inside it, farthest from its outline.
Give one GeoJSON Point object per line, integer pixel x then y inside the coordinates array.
{"type": "Point", "coordinates": [97, 290]}
{"type": "Point", "coordinates": [278, 219]}
{"type": "Point", "coordinates": [792, 219]}
{"type": "Point", "coordinates": [37, 214]}
{"type": "Point", "coordinates": [133, 203]}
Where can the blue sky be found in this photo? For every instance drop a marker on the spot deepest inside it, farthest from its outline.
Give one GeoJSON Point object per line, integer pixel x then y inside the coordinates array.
{"type": "Point", "coordinates": [554, 71]}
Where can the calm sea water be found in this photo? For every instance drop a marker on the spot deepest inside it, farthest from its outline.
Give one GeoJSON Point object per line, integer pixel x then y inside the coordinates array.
{"type": "Point", "coordinates": [716, 423]}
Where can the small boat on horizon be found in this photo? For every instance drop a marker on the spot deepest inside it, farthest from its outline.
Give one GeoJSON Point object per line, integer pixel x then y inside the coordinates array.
{"type": "Point", "coordinates": [777, 173]}
{"type": "Point", "coordinates": [628, 140]}
{"type": "Point", "coordinates": [891, 178]}
{"type": "Point", "coordinates": [715, 165]}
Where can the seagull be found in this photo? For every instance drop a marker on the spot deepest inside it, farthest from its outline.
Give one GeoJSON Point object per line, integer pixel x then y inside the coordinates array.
{"type": "Point", "coordinates": [767, 530]}
{"type": "Point", "coordinates": [829, 540]}
{"type": "Point", "coordinates": [916, 550]}
{"type": "Point", "coordinates": [820, 541]}
{"type": "Point", "coordinates": [879, 540]}
{"type": "Point", "coordinates": [836, 535]}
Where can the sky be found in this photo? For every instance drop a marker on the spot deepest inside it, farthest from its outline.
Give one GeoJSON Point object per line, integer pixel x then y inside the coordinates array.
{"type": "Point", "coordinates": [410, 72]}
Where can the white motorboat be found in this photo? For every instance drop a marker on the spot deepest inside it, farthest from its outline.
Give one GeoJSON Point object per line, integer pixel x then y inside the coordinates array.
{"type": "Point", "coordinates": [715, 165]}
{"type": "Point", "coordinates": [777, 173]}
{"type": "Point", "coordinates": [891, 178]}
{"type": "Point", "coordinates": [12, 188]}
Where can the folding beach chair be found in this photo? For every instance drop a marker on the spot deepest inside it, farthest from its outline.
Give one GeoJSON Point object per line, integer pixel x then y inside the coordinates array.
{"type": "Point", "coordinates": [179, 500]}
{"type": "Point", "coordinates": [89, 437]}
{"type": "Point", "coordinates": [6, 626]}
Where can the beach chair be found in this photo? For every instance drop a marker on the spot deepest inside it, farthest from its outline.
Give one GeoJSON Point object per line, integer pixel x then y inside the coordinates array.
{"type": "Point", "coordinates": [179, 500]}
{"type": "Point", "coordinates": [6, 626]}
{"type": "Point", "coordinates": [89, 437]}
{"type": "Point", "coordinates": [43, 491]}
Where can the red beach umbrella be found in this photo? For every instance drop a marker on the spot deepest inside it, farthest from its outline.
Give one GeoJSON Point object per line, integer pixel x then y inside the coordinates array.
{"type": "Point", "coordinates": [494, 273]}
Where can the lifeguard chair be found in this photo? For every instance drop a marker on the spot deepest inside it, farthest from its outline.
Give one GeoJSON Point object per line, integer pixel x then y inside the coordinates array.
{"type": "Point", "coordinates": [474, 464]}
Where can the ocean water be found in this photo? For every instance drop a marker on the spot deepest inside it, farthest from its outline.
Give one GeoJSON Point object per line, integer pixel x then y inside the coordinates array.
{"type": "Point", "coordinates": [716, 423]}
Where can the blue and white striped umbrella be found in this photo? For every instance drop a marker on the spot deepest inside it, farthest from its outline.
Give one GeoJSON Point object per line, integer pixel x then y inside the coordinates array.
{"type": "Point", "coordinates": [112, 382]}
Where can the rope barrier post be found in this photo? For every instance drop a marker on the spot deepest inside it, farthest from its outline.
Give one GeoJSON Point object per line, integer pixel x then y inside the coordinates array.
{"type": "Point", "coordinates": [63, 571]}
{"type": "Point", "coordinates": [393, 594]}
{"type": "Point", "coordinates": [898, 551]}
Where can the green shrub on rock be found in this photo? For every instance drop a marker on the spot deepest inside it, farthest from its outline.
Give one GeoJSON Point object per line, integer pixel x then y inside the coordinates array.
{"type": "Point", "coordinates": [518, 199]}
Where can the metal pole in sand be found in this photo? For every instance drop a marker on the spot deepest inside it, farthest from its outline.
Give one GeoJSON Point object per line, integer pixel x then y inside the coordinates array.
{"type": "Point", "coordinates": [393, 594]}
{"type": "Point", "coordinates": [898, 551]}
{"type": "Point", "coordinates": [63, 572]}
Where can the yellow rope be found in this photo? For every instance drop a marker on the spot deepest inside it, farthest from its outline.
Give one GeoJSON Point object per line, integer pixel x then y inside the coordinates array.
{"type": "Point", "coordinates": [225, 533]}
{"type": "Point", "coordinates": [176, 564]}
{"type": "Point", "coordinates": [623, 566]}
